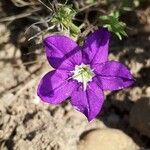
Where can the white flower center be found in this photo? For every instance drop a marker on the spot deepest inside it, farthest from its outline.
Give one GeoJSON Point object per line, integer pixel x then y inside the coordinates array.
{"type": "Point", "coordinates": [83, 73]}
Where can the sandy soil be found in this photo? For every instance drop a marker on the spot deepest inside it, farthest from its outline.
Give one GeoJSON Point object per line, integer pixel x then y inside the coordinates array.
{"type": "Point", "coordinates": [26, 123]}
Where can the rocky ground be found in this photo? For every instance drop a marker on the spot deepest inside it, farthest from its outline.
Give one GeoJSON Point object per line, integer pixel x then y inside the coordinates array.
{"type": "Point", "coordinates": [28, 124]}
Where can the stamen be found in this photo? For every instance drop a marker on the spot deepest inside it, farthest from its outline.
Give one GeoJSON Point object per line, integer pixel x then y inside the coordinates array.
{"type": "Point", "coordinates": [83, 73]}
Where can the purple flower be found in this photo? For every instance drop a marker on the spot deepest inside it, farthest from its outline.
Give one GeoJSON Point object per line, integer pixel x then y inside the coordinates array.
{"type": "Point", "coordinates": [81, 73]}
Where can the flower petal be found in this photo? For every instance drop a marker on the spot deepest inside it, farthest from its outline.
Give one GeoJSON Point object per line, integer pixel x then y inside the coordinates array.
{"type": "Point", "coordinates": [95, 49]}
{"type": "Point", "coordinates": [88, 102]}
{"type": "Point", "coordinates": [113, 75]}
{"type": "Point", "coordinates": [62, 52]}
{"type": "Point", "coordinates": [54, 87]}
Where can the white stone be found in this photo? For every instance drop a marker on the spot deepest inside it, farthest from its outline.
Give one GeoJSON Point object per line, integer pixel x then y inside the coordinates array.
{"type": "Point", "coordinates": [107, 139]}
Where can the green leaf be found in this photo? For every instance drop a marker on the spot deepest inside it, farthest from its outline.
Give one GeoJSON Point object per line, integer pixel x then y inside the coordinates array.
{"type": "Point", "coordinates": [63, 17]}
{"type": "Point", "coordinates": [112, 23]}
